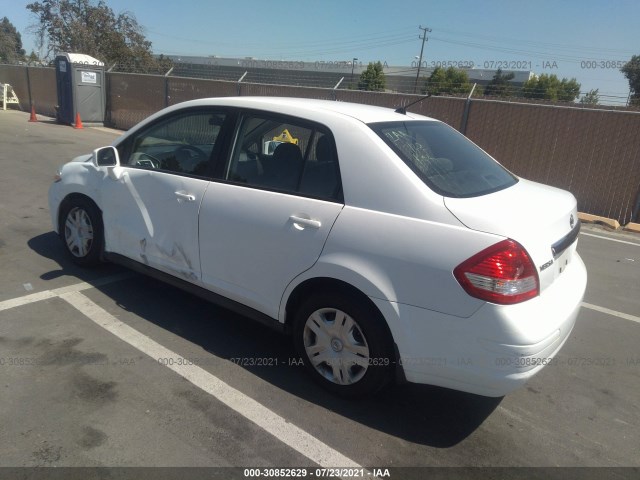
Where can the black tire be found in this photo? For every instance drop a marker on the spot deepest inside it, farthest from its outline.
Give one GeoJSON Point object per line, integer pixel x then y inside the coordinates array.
{"type": "Point", "coordinates": [82, 211]}
{"type": "Point", "coordinates": [368, 333]}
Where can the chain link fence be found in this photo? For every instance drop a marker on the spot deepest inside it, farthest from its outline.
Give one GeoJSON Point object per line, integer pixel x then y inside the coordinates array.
{"type": "Point", "coordinates": [592, 152]}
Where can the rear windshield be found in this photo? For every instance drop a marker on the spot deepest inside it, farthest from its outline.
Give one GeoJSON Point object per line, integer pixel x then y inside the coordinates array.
{"type": "Point", "coordinates": [444, 159]}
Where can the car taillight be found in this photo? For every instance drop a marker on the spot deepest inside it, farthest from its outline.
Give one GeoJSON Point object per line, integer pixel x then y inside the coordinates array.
{"type": "Point", "coordinates": [503, 273]}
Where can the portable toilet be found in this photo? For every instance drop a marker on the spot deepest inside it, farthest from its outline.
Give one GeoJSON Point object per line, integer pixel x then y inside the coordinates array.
{"type": "Point", "coordinates": [80, 80]}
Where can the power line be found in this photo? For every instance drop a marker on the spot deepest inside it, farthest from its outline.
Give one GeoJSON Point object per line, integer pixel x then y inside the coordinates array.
{"type": "Point", "coordinates": [560, 46]}
{"type": "Point", "coordinates": [362, 39]}
{"type": "Point", "coordinates": [534, 54]}
{"type": "Point", "coordinates": [372, 41]}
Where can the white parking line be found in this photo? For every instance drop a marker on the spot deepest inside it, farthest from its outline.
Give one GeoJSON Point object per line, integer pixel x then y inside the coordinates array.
{"type": "Point", "coordinates": [279, 427]}
{"type": "Point", "coordinates": [608, 311]}
{"type": "Point", "coordinates": [609, 238]}
{"type": "Point", "coordinates": [76, 287]}
{"type": "Point", "coordinates": [26, 299]}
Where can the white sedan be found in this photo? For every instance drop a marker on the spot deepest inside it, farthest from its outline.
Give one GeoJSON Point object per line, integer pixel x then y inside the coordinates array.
{"type": "Point", "coordinates": [386, 243]}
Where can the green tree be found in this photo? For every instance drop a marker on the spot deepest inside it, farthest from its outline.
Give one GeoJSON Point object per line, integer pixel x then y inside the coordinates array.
{"type": "Point", "coordinates": [592, 97]}
{"type": "Point", "coordinates": [569, 90]}
{"type": "Point", "coordinates": [32, 58]}
{"type": "Point", "coordinates": [550, 87]}
{"type": "Point", "coordinates": [499, 85]}
{"type": "Point", "coordinates": [372, 78]}
{"type": "Point", "coordinates": [11, 50]}
{"type": "Point", "coordinates": [451, 81]}
{"type": "Point", "coordinates": [84, 26]}
{"type": "Point", "coordinates": [631, 70]}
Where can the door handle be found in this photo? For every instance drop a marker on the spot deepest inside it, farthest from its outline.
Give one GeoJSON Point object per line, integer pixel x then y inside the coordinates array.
{"type": "Point", "coordinates": [307, 222]}
{"type": "Point", "coordinates": [185, 196]}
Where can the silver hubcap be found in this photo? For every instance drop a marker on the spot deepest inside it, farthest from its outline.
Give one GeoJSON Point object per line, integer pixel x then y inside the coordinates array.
{"type": "Point", "coordinates": [336, 346]}
{"type": "Point", "coordinates": [78, 232]}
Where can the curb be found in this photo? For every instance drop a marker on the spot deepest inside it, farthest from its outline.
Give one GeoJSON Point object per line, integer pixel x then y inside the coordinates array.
{"type": "Point", "coordinates": [609, 222]}
{"type": "Point", "coordinates": [632, 227]}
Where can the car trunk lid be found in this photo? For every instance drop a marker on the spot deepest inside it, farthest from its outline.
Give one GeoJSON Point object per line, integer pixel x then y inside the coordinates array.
{"type": "Point", "coordinates": [543, 219]}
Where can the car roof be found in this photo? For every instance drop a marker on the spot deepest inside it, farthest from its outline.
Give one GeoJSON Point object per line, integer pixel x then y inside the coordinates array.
{"type": "Point", "coordinates": [307, 107]}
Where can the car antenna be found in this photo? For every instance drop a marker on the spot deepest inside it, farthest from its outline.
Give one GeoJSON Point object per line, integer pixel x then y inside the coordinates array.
{"type": "Point", "coordinates": [403, 110]}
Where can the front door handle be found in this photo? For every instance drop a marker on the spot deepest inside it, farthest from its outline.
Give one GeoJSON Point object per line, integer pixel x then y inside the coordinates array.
{"type": "Point", "coordinates": [185, 196]}
{"type": "Point", "coordinates": [307, 222]}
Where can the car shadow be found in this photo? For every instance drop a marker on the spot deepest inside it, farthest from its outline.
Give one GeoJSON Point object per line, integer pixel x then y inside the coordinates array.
{"type": "Point", "coordinates": [422, 414]}
{"type": "Point", "coordinates": [50, 246]}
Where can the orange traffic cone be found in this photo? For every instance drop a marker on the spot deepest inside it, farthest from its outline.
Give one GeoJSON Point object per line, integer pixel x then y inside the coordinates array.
{"type": "Point", "coordinates": [33, 117]}
{"type": "Point", "coordinates": [78, 124]}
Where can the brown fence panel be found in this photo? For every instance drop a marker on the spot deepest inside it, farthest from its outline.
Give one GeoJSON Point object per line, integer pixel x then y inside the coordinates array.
{"type": "Point", "coordinates": [16, 76]}
{"type": "Point", "coordinates": [183, 89]}
{"type": "Point", "coordinates": [446, 109]}
{"type": "Point", "coordinates": [44, 91]}
{"type": "Point", "coordinates": [595, 154]}
{"type": "Point", "coordinates": [258, 89]}
{"type": "Point", "coordinates": [620, 161]}
{"type": "Point", "coordinates": [381, 99]}
{"type": "Point", "coordinates": [132, 98]}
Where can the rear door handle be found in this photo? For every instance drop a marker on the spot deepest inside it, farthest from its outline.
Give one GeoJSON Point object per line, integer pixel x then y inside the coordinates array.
{"type": "Point", "coordinates": [307, 222]}
{"type": "Point", "coordinates": [185, 196]}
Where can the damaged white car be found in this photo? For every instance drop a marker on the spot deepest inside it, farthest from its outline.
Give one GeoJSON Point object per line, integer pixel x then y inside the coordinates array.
{"type": "Point", "coordinates": [386, 243]}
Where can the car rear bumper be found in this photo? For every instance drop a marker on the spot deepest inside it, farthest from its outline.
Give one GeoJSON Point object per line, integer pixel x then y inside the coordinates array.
{"type": "Point", "coordinates": [495, 350]}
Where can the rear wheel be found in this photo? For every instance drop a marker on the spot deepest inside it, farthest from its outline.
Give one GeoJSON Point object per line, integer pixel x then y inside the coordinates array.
{"type": "Point", "coordinates": [81, 231]}
{"type": "Point", "coordinates": [344, 344]}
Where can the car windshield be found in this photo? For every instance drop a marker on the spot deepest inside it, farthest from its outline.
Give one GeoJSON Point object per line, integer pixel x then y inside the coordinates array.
{"type": "Point", "coordinates": [444, 159]}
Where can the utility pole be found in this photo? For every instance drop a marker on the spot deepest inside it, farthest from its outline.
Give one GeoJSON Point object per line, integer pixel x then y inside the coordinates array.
{"type": "Point", "coordinates": [353, 64]}
{"type": "Point", "coordinates": [422, 37]}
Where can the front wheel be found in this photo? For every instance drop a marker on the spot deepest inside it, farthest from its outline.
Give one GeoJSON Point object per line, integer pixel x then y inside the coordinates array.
{"type": "Point", "coordinates": [344, 343]}
{"type": "Point", "coordinates": [81, 231]}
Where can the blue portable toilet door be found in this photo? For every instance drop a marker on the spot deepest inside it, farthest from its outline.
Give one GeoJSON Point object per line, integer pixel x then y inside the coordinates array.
{"type": "Point", "coordinates": [64, 76]}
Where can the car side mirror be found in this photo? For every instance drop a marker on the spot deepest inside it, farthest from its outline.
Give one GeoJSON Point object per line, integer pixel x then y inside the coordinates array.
{"type": "Point", "coordinates": [106, 157]}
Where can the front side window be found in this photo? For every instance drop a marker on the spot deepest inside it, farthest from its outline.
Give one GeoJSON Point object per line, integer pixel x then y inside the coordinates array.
{"type": "Point", "coordinates": [183, 143]}
{"type": "Point", "coordinates": [444, 159]}
{"type": "Point", "coordinates": [285, 155]}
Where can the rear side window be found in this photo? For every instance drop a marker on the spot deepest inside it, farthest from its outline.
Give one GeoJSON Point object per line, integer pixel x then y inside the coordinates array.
{"type": "Point", "coordinates": [444, 159]}
{"type": "Point", "coordinates": [286, 155]}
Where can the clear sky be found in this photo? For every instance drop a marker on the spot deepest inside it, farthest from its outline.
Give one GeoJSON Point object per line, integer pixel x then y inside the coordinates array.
{"type": "Point", "coordinates": [584, 39]}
